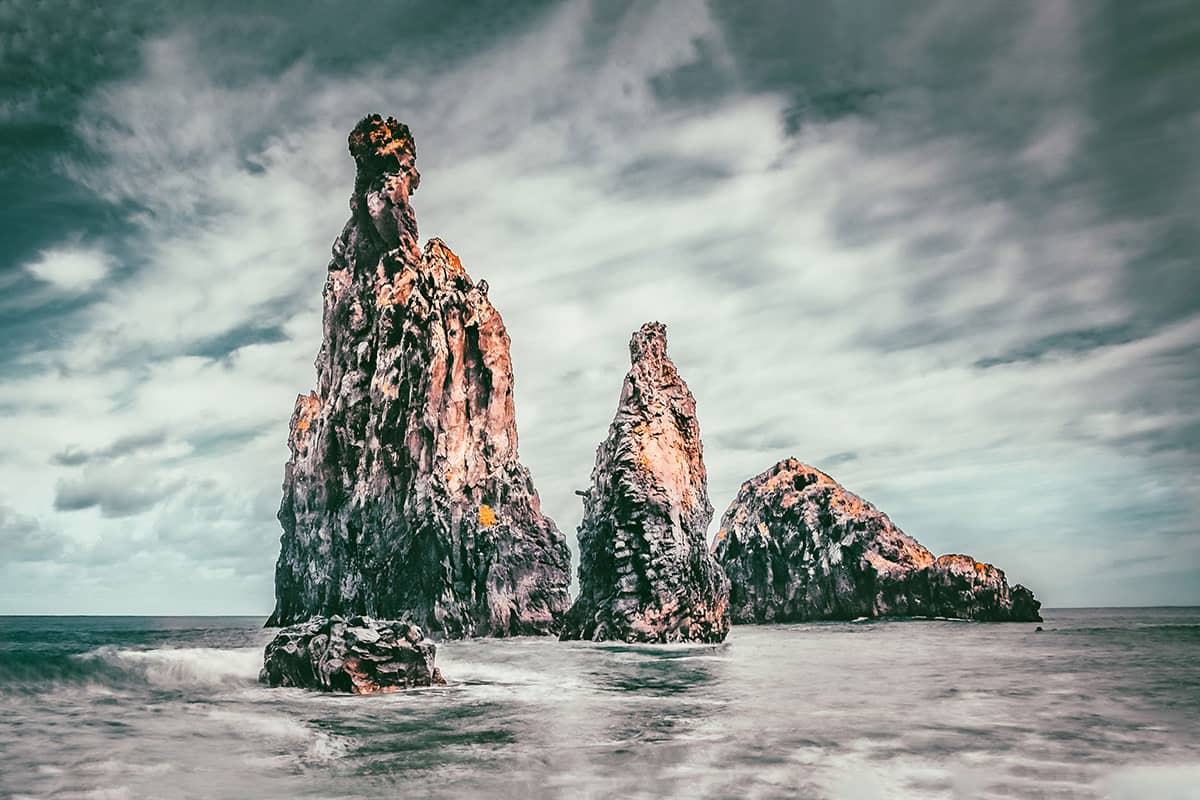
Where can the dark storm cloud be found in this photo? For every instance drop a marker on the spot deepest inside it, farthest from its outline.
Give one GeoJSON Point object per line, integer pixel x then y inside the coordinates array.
{"type": "Point", "coordinates": [760, 437]}
{"type": "Point", "coordinates": [1066, 342]}
{"type": "Point", "coordinates": [22, 538]}
{"type": "Point", "coordinates": [51, 56]}
{"type": "Point", "coordinates": [240, 533]}
{"type": "Point", "coordinates": [250, 333]}
{"type": "Point", "coordinates": [1142, 149]}
{"type": "Point", "coordinates": [837, 459]}
{"type": "Point", "coordinates": [123, 446]}
{"type": "Point", "coordinates": [1182, 438]}
{"type": "Point", "coordinates": [667, 175]}
{"type": "Point", "coordinates": [54, 56]}
{"type": "Point", "coordinates": [1115, 108]}
{"type": "Point", "coordinates": [223, 439]}
{"type": "Point", "coordinates": [115, 492]}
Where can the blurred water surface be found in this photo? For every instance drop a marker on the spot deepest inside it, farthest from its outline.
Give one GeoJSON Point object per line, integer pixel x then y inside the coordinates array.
{"type": "Point", "coordinates": [1104, 703]}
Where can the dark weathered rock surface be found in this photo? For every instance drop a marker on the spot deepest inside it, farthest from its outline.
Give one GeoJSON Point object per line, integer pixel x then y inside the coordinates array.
{"type": "Point", "coordinates": [359, 655]}
{"type": "Point", "coordinates": [404, 495]}
{"type": "Point", "coordinates": [645, 573]}
{"type": "Point", "coordinates": [797, 546]}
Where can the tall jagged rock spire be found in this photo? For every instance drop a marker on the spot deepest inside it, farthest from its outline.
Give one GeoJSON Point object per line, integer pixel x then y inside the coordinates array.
{"type": "Point", "coordinates": [645, 573]}
{"type": "Point", "coordinates": [404, 495]}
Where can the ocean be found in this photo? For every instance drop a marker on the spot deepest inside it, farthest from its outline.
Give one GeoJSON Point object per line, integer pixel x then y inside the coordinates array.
{"type": "Point", "coordinates": [1104, 703]}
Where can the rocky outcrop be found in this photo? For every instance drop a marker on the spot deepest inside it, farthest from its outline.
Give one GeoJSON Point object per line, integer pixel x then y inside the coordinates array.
{"type": "Point", "coordinates": [797, 546]}
{"type": "Point", "coordinates": [404, 495]}
{"type": "Point", "coordinates": [645, 573]}
{"type": "Point", "coordinates": [958, 586]}
{"type": "Point", "coordinates": [359, 655]}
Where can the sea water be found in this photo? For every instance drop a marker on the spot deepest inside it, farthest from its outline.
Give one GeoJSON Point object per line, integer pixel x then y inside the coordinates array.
{"type": "Point", "coordinates": [1104, 703]}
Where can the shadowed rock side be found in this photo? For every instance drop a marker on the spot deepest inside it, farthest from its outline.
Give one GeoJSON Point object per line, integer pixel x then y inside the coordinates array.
{"type": "Point", "coordinates": [797, 546]}
{"type": "Point", "coordinates": [645, 573]}
{"type": "Point", "coordinates": [404, 495]}
{"type": "Point", "coordinates": [359, 655]}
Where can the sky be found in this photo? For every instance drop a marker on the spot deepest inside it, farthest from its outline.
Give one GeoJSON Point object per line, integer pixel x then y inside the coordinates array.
{"type": "Point", "coordinates": [945, 251]}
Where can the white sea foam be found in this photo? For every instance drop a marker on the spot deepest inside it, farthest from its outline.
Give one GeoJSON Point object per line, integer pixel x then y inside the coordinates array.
{"type": "Point", "coordinates": [115, 767]}
{"type": "Point", "coordinates": [188, 666]}
{"type": "Point", "coordinates": [1160, 781]}
{"type": "Point", "coordinates": [107, 793]}
{"type": "Point", "coordinates": [475, 672]}
{"type": "Point", "coordinates": [262, 725]}
{"type": "Point", "coordinates": [281, 729]}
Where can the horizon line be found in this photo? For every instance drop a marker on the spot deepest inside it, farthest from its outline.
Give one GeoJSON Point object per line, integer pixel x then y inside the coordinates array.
{"type": "Point", "coordinates": [264, 616]}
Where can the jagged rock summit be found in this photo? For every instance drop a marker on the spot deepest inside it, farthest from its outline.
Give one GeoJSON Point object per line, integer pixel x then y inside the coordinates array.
{"type": "Point", "coordinates": [404, 495]}
{"type": "Point", "coordinates": [797, 546]}
{"type": "Point", "coordinates": [645, 572]}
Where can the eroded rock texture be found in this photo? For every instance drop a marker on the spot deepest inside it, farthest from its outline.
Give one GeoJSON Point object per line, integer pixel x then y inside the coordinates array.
{"type": "Point", "coordinates": [797, 546]}
{"type": "Point", "coordinates": [404, 495]}
{"type": "Point", "coordinates": [645, 573]}
{"type": "Point", "coordinates": [359, 655]}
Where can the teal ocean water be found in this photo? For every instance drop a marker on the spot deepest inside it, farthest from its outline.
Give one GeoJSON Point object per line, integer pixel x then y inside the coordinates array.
{"type": "Point", "coordinates": [1104, 703]}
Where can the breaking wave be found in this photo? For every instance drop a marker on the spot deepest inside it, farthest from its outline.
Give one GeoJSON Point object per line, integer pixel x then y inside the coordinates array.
{"type": "Point", "coordinates": [321, 746]}
{"type": "Point", "coordinates": [32, 670]}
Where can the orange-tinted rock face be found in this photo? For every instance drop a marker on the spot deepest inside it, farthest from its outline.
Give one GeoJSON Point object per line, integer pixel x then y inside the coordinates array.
{"type": "Point", "coordinates": [797, 546]}
{"type": "Point", "coordinates": [410, 433]}
{"type": "Point", "coordinates": [645, 573]}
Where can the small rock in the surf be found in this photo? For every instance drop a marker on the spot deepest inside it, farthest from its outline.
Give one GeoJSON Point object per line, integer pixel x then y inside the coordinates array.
{"type": "Point", "coordinates": [358, 655]}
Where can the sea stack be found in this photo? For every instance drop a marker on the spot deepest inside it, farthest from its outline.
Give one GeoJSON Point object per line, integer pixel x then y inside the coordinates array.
{"type": "Point", "coordinates": [798, 546]}
{"type": "Point", "coordinates": [404, 496]}
{"type": "Point", "coordinates": [359, 655]}
{"type": "Point", "coordinates": [645, 574]}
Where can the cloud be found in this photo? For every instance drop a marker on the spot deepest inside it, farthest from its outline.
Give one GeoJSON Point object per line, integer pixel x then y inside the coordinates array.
{"type": "Point", "coordinates": [1055, 146]}
{"type": "Point", "coordinates": [70, 269]}
{"type": "Point", "coordinates": [895, 269]}
{"type": "Point", "coordinates": [1064, 342]}
{"type": "Point", "coordinates": [24, 539]}
{"type": "Point", "coordinates": [116, 491]}
{"type": "Point", "coordinates": [125, 445]}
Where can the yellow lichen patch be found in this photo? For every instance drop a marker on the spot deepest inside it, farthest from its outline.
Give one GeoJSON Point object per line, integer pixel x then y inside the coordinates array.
{"type": "Point", "coordinates": [852, 503]}
{"type": "Point", "coordinates": [721, 534]}
{"type": "Point", "coordinates": [398, 143]}
{"type": "Point", "coordinates": [339, 279]}
{"type": "Point", "coordinates": [384, 296]}
{"type": "Point", "coordinates": [437, 249]}
{"type": "Point", "coordinates": [389, 390]}
{"type": "Point", "coordinates": [308, 406]}
{"type": "Point", "coordinates": [487, 517]}
{"type": "Point", "coordinates": [357, 315]}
